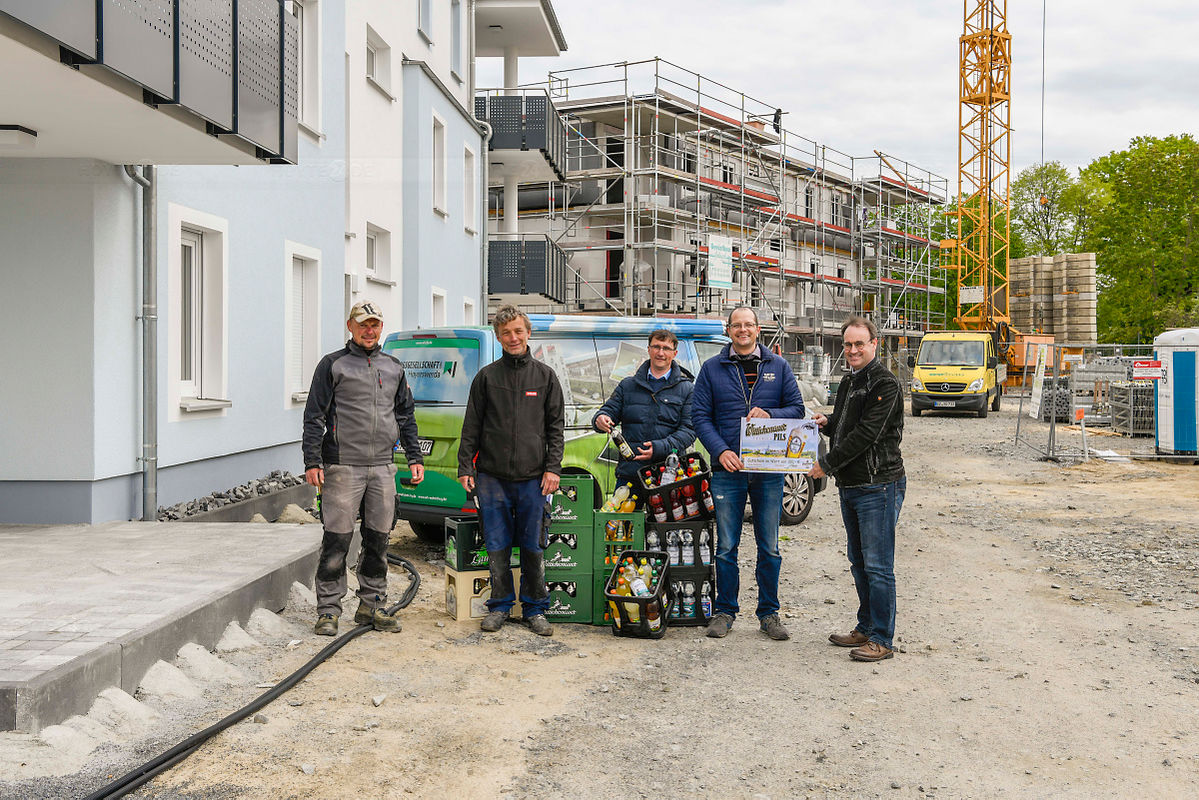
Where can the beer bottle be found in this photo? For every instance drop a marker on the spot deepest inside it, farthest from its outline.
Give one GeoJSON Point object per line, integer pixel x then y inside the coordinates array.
{"type": "Point", "coordinates": [622, 445]}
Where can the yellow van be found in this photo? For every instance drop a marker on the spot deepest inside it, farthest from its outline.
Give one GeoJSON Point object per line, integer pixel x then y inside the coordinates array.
{"type": "Point", "coordinates": [956, 371]}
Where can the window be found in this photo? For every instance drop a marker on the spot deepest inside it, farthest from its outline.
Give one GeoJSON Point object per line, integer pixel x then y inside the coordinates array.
{"type": "Point", "coordinates": [470, 191]}
{"type": "Point", "coordinates": [196, 311]}
{"type": "Point", "coordinates": [574, 362]}
{"type": "Point", "coordinates": [378, 254]}
{"type": "Point", "coordinates": [438, 316]}
{"type": "Point", "coordinates": [439, 171]}
{"type": "Point", "coordinates": [456, 38]}
{"type": "Point", "coordinates": [726, 173]}
{"type": "Point", "coordinates": [468, 312]}
{"type": "Point", "coordinates": [809, 204]}
{"type": "Point", "coordinates": [307, 14]}
{"type": "Point", "coordinates": [302, 324]}
{"type": "Point", "coordinates": [424, 19]}
{"type": "Point", "coordinates": [378, 62]}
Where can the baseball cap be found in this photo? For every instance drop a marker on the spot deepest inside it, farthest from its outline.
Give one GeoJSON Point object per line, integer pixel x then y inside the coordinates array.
{"type": "Point", "coordinates": [365, 310]}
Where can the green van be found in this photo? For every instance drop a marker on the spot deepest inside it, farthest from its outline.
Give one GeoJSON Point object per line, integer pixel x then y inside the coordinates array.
{"type": "Point", "coordinates": [590, 356]}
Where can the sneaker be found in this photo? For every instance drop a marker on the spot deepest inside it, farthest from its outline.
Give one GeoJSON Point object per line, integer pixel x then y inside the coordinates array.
{"type": "Point", "coordinates": [773, 627]}
{"type": "Point", "coordinates": [494, 621]}
{"type": "Point", "coordinates": [719, 627]}
{"type": "Point", "coordinates": [871, 651]}
{"type": "Point", "coordinates": [540, 625]}
{"type": "Point", "coordinates": [377, 617]}
{"type": "Point", "coordinates": [854, 638]}
{"type": "Point", "coordinates": [326, 625]}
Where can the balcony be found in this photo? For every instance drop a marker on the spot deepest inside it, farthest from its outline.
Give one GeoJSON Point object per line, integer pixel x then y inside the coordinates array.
{"type": "Point", "coordinates": [528, 139]}
{"type": "Point", "coordinates": [532, 264]}
{"type": "Point", "coordinates": [150, 81]}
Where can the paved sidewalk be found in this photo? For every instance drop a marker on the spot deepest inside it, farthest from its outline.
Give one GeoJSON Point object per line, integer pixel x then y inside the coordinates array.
{"type": "Point", "coordinates": [85, 607]}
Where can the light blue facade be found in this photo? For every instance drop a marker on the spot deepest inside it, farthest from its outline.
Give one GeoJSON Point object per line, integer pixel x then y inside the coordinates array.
{"type": "Point", "coordinates": [441, 252]}
{"type": "Point", "coordinates": [70, 268]}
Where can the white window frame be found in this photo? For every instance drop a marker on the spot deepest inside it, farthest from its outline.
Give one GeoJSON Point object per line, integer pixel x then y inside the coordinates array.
{"type": "Point", "coordinates": [439, 155]}
{"type": "Point", "coordinates": [191, 311]}
{"type": "Point", "coordinates": [296, 383]}
{"type": "Point", "coordinates": [206, 392]}
{"type": "Point", "coordinates": [424, 19]}
{"type": "Point", "coordinates": [436, 293]}
{"type": "Point", "coordinates": [308, 18]}
{"type": "Point", "coordinates": [457, 33]}
{"type": "Point", "coordinates": [377, 255]}
{"type": "Point", "coordinates": [470, 190]}
{"type": "Point", "coordinates": [377, 62]}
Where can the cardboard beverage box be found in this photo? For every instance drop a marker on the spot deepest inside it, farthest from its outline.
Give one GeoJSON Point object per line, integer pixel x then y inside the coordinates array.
{"type": "Point", "coordinates": [573, 504]}
{"type": "Point", "coordinates": [467, 593]}
{"type": "Point", "coordinates": [464, 548]}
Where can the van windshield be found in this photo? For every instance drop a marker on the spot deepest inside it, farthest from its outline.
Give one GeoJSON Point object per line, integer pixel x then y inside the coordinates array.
{"type": "Point", "coordinates": [439, 371]}
{"type": "Point", "coordinates": [951, 354]}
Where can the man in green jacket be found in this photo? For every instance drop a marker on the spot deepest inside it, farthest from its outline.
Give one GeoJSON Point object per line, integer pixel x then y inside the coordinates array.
{"type": "Point", "coordinates": [510, 455]}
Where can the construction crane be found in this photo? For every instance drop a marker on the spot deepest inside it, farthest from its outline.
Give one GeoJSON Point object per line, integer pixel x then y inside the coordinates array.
{"type": "Point", "coordinates": [980, 252]}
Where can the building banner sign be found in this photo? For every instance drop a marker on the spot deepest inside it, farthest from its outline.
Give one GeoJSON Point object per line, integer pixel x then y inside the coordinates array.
{"type": "Point", "coordinates": [779, 445]}
{"type": "Point", "coordinates": [720, 262]}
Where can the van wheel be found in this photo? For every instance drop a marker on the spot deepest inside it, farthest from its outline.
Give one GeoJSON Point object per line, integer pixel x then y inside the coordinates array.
{"type": "Point", "coordinates": [998, 396]}
{"type": "Point", "coordinates": [982, 412]}
{"type": "Point", "coordinates": [916, 411]}
{"type": "Point", "coordinates": [429, 532]}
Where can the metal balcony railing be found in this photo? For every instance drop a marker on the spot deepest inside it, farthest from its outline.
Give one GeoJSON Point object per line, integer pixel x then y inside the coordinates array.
{"type": "Point", "coordinates": [530, 264]}
{"type": "Point", "coordinates": [232, 64]}
{"type": "Point", "coordinates": [525, 120]}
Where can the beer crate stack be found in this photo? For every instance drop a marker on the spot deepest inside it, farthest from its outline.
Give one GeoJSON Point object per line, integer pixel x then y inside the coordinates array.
{"type": "Point", "coordinates": [468, 570]}
{"type": "Point", "coordinates": [569, 554]}
{"type": "Point", "coordinates": [680, 520]}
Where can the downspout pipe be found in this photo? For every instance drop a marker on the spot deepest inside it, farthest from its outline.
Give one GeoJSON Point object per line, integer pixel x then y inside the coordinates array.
{"type": "Point", "coordinates": [149, 319]}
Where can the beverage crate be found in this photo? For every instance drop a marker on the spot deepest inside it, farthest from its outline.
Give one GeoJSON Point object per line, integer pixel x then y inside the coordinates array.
{"type": "Point", "coordinates": [570, 551]}
{"type": "Point", "coordinates": [632, 615]}
{"type": "Point", "coordinates": [573, 504]}
{"type": "Point", "coordinates": [666, 492]}
{"type": "Point", "coordinates": [613, 531]}
{"type": "Point", "coordinates": [672, 536]}
{"type": "Point", "coordinates": [695, 611]}
{"type": "Point", "coordinates": [467, 593]}
{"type": "Point", "coordinates": [571, 598]}
{"type": "Point", "coordinates": [464, 548]}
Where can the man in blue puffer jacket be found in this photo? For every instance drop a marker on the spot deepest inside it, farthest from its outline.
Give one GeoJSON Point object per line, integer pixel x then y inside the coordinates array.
{"type": "Point", "coordinates": [744, 380]}
{"type": "Point", "coordinates": [653, 407]}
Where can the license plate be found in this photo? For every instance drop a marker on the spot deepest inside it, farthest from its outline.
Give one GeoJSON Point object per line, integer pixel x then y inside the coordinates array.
{"type": "Point", "coordinates": [944, 404]}
{"type": "Point", "coordinates": [426, 446]}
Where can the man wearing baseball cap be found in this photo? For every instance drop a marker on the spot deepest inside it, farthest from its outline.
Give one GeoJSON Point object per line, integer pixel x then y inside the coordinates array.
{"type": "Point", "coordinates": [359, 406]}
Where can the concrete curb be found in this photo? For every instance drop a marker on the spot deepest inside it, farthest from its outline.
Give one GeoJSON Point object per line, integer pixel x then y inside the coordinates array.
{"type": "Point", "coordinates": [268, 505]}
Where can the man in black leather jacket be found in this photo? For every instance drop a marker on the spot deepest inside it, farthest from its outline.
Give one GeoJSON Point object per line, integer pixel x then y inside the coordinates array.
{"type": "Point", "coordinates": [865, 430]}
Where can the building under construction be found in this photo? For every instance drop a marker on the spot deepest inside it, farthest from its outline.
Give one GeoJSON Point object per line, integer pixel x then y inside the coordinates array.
{"type": "Point", "coordinates": [680, 196]}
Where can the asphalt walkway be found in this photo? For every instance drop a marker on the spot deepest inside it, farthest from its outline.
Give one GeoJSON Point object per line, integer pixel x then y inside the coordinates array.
{"type": "Point", "coordinates": [85, 607]}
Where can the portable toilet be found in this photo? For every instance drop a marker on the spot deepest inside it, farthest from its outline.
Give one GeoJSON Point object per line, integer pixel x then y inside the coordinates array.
{"type": "Point", "coordinates": [1177, 392]}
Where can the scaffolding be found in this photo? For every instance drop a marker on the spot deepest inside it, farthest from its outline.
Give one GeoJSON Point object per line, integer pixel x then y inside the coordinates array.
{"type": "Point", "coordinates": [659, 160]}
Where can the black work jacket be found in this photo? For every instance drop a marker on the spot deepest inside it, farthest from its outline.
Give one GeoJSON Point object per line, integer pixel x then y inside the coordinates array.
{"type": "Point", "coordinates": [865, 429]}
{"type": "Point", "coordinates": [515, 421]}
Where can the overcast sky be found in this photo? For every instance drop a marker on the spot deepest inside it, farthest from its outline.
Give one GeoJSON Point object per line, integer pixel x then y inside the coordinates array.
{"type": "Point", "coordinates": [860, 75]}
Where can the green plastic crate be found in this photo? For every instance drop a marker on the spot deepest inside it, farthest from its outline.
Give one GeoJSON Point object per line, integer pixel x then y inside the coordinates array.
{"type": "Point", "coordinates": [631, 536]}
{"type": "Point", "coordinates": [570, 551]}
{"type": "Point", "coordinates": [570, 598]}
{"type": "Point", "coordinates": [464, 548]}
{"type": "Point", "coordinates": [573, 504]}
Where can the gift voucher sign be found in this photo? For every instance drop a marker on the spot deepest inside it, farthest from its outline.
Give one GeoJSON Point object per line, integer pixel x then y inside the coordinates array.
{"type": "Point", "coordinates": [779, 445]}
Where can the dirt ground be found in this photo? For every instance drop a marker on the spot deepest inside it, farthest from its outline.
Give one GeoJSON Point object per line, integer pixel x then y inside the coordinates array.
{"type": "Point", "coordinates": [1047, 641]}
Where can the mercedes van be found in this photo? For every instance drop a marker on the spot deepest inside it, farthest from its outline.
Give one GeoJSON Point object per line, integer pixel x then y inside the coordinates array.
{"type": "Point", "coordinates": [590, 355]}
{"type": "Point", "coordinates": [956, 371]}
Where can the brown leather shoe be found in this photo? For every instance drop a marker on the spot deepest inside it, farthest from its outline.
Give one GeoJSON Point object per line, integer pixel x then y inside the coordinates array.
{"type": "Point", "coordinates": [871, 651]}
{"type": "Point", "coordinates": [852, 639]}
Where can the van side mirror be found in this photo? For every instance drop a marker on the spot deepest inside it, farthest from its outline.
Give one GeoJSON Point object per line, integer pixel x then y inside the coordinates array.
{"type": "Point", "coordinates": [911, 361]}
{"type": "Point", "coordinates": [992, 362]}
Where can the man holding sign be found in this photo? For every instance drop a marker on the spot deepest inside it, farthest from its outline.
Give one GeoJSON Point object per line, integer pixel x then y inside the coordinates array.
{"type": "Point", "coordinates": [864, 432]}
{"type": "Point", "coordinates": [744, 381]}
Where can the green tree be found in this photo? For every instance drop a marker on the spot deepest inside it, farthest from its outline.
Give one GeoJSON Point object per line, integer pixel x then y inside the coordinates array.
{"type": "Point", "coordinates": [1052, 211]}
{"type": "Point", "coordinates": [1146, 237]}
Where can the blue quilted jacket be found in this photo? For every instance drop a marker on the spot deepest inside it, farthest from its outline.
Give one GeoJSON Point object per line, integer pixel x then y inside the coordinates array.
{"type": "Point", "coordinates": [645, 415]}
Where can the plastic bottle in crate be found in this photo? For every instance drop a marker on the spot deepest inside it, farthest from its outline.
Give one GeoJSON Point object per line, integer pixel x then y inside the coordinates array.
{"type": "Point", "coordinates": [705, 599]}
{"type": "Point", "coordinates": [657, 509]}
{"type": "Point", "coordinates": [706, 493]}
{"type": "Point", "coordinates": [629, 505]}
{"type": "Point", "coordinates": [646, 571]}
{"type": "Point", "coordinates": [677, 511]}
{"type": "Point", "coordinates": [647, 477]}
{"type": "Point", "coordinates": [618, 497]}
{"type": "Point", "coordinates": [687, 545]}
{"type": "Point", "coordinates": [688, 600]}
{"type": "Point", "coordinates": [672, 547]}
{"type": "Point", "coordinates": [622, 588]}
{"type": "Point", "coordinates": [705, 547]}
{"type": "Point", "coordinates": [672, 463]}
{"type": "Point", "coordinates": [652, 542]}
{"type": "Point", "coordinates": [690, 504]}
{"type": "Point", "coordinates": [676, 610]}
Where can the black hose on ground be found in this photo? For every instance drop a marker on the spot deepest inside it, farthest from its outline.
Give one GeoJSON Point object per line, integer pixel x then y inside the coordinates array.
{"type": "Point", "coordinates": [146, 772]}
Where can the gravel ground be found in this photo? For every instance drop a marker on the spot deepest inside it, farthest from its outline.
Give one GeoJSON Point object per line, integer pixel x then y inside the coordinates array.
{"type": "Point", "coordinates": [1047, 647]}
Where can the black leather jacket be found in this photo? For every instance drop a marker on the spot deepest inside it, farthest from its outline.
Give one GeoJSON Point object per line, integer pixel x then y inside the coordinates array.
{"type": "Point", "coordinates": [865, 429]}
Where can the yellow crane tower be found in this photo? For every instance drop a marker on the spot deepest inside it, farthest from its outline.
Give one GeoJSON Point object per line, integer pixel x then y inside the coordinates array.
{"type": "Point", "coordinates": [980, 252]}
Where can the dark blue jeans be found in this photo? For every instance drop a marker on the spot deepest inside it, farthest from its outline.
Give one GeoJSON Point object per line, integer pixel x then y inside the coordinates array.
{"type": "Point", "coordinates": [511, 513]}
{"type": "Point", "coordinates": [870, 514]}
{"type": "Point", "coordinates": [765, 493]}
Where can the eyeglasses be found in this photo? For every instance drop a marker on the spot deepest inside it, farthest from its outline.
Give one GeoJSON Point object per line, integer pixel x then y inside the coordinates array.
{"type": "Point", "coordinates": [736, 326]}
{"type": "Point", "coordinates": [663, 347]}
{"type": "Point", "coordinates": [856, 345]}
